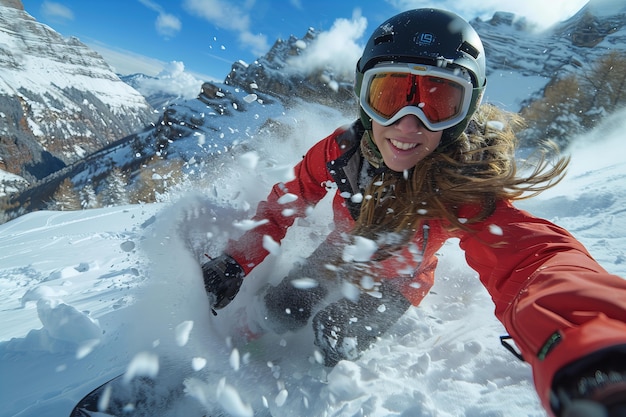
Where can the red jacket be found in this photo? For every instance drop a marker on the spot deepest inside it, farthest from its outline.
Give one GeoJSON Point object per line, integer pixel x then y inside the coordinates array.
{"type": "Point", "coordinates": [554, 299]}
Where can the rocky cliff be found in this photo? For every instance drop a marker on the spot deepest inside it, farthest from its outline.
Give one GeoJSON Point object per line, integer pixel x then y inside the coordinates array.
{"type": "Point", "coordinates": [272, 74]}
{"type": "Point", "coordinates": [569, 47]}
{"type": "Point", "coordinates": [59, 100]}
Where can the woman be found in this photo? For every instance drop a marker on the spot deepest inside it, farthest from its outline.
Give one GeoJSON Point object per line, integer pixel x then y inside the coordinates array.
{"type": "Point", "coordinates": [422, 165]}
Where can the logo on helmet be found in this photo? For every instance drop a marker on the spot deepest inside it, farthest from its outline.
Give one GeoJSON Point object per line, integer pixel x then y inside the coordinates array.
{"type": "Point", "coordinates": [424, 39]}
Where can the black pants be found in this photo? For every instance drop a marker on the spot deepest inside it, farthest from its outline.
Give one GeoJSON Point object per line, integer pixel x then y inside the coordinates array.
{"type": "Point", "coordinates": [343, 327]}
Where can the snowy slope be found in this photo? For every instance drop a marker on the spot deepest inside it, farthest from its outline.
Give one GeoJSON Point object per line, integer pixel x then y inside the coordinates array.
{"type": "Point", "coordinates": [85, 294]}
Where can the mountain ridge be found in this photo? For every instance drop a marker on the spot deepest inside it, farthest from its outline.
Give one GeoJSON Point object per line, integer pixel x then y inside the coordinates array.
{"type": "Point", "coordinates": [59, 99]}
{"type": "Point", "coordinates": [256, 96]}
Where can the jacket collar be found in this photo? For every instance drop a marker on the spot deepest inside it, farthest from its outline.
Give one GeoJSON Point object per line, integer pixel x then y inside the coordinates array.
{"type": "Point", "coordinates": [351, 170]}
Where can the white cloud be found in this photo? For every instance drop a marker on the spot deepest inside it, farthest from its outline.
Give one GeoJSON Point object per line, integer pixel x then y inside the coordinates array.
{"type": "Point", "coordinates": [126, 62]}
{"type": "Point", "coordinates": [224, 15]}
{"type": "Point", "coordinates": [336, 48]}
{"type": "Point", "coordinates": [174, 80]}
{"type": "Point", "coordinates": [296, 3]}
{"type": "Point", "coordinates": [166, 24]}
{"type": "Point", "coordinates": [56, 12]}
{"type": "Point", "coordinates": [256, 43]}
{"type": "Point", "coordinates": [220, 13]}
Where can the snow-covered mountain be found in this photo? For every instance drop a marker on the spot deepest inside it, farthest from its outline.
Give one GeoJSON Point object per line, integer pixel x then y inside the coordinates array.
{"type": "Point", "coordinates": [254, 98]}
{"type": "Point", "coordinates": [189, 132]}
{"type": "Point", "coordinates": [277, 73]}
{"type": "Point", "coordinates": [59, 100]}
{"type": "Point", "coordinates": [523, 60]}
{"type": "Point", "coordinates": [157, 98]}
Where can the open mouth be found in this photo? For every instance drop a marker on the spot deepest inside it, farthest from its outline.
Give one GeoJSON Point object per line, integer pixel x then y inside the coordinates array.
{"type": "Point", "coordinates": [404, 146]}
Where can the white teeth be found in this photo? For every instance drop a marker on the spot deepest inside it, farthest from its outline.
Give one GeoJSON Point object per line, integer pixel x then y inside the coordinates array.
{"type": "Point", "coordinates": [405, 146]}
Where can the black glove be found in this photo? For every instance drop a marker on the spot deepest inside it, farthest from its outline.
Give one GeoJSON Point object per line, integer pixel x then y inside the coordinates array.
{"type": "Point", "coordinates": [222, 279]}
{"type": "Point", "coordinates": [594, 386]}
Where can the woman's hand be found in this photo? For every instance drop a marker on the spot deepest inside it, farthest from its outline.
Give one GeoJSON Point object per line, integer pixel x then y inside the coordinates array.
{"type": "Point", "coordinates": [222, 279]}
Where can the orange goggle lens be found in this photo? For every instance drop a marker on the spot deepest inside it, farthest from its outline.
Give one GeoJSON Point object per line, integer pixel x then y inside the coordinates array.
{"type": "Point", "coordinates": [439, 98]}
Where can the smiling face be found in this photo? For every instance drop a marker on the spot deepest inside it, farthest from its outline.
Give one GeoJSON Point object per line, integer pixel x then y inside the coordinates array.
{"type": "Point", "coordinates": [404, 143]}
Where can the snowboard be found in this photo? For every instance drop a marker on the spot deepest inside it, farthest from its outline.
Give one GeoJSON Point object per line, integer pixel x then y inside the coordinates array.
{"type": "Point", "coordinates": [140, 396]}
{"type": "Point", "coordinates": [163, 396]}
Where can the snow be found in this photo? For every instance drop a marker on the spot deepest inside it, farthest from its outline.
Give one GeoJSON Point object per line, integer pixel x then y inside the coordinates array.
{"type": "Point", "coordinates": [337, 48]}
{"type": "Point", "coordinates": [143, 364]}
{"type": "Point", "coordinates": [91, 294]}
{"type": "Point", "coordinates": [606, 7]}
{"type": "Point", "coordinates": [39, 64]}
{"type": "Point", "coordinates": [35, 72]}
{"type": "Point", "coordinates": [8, 182]}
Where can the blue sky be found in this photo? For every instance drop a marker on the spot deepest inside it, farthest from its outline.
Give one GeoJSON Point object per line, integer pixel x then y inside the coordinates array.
{"type": "Point", "coordinates": [204, 37]}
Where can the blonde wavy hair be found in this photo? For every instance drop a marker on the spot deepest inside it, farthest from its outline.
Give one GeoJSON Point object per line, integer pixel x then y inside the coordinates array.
{"type": "Point", "coordinates": [478, 169]}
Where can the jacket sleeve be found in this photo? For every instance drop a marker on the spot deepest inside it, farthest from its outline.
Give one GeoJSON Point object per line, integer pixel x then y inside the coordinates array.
{"type": "Point", "coordinates": [285, 203]}
{"type": "Point", "coordinates": [554, 299]}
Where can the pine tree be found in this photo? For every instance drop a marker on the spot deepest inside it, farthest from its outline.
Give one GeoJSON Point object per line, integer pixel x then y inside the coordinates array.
{"type": "Point", "coordinates": [557, 115]}
{"type": "Point", "coordinates": [88, 198]}
{"type": "Point", "coordinates": [65, 198]}
{"type": "Point", "coordinates": [605, 85]}
{"type": "Point", "coordinates": [573, 105]}
{"type": "Point", "coordinates": [114, 190]}
{"type": "Point", "coordinates": [156, 179]}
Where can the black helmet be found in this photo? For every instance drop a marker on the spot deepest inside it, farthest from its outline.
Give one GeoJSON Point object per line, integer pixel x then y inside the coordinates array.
{"type": "Point", "coordinates": [427, 36]}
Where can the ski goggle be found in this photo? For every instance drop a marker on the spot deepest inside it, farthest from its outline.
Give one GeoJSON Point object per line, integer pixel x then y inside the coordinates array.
{"type": "Point", "coordinates": [439, 98]}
